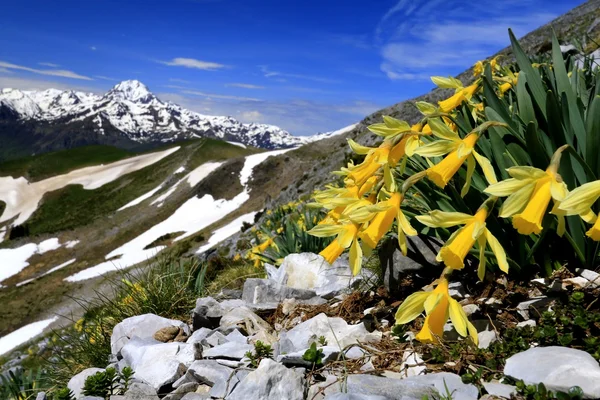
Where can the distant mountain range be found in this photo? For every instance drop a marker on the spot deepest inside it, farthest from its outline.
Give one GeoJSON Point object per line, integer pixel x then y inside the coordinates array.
{"type": "Point", "coordinates": [127, 116]}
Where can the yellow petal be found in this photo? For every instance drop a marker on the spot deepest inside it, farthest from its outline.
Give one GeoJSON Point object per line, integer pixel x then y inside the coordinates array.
{"type": "Point", "coordinates": [402, 241]}
{"type": "Point", "coordinates": [432, 301]}
{"type": "Point", "coordinates": [443, 219]}
{"type": "Point", "coordinates": [472, 332]}
{"type": "Point", "coordinates": [525, 172]}
{"type": "Point", "coordinates": [443, 131]}
{"type": "Point", "coordinates": [326, 230]}
{"type": "Point", "coordinates": [517, 201]}
{"type": "Point", "coordinates": [405, 226]}
{"type": "Point", "coordinates": [486, 167]}
{"type": "Point", "coordinates": [470, 170]}
{"type": "Point", "coordinates": [411, 307]}
{"type": "Point", "coordinates": [559, 190]}
{"type": "Point", "coordinates": [507, 187]}
{"type": "Point", "coordinates": [394, 123]}
{"type": "Point", "coordinates": [458, 317]}
{"type": "Point", "coordinates": [355, 258]}
{"type": "Point", "coordinates": [357, 148]}
{"type": "Point", "coordinates": [582, 198]}
{"type": "Point", "coordinates": [436, 149]}
{"type": "Point", "coordinates": [498, 251]}
{"type": "Point", "coordinates": [412, 143]}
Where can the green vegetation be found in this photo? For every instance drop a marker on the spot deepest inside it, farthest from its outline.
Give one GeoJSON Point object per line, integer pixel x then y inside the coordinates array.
{"type": "Point", "coordinates": [539, 392]}
{"type": "Point", "coordinates": [313, 355]}
{"type": "Point", "coordinates": [107, 383]}
{"type": "Point", "coordinates": [261, 351]}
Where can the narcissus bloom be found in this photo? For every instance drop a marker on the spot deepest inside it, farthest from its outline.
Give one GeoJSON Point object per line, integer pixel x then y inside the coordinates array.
{"type": "Point", "coordinates": [458, 150]}
{"type": "Point", "coordinates": [580, 201]}
{"type": "Point", "coordinates": [375, 159]}
{"type": "Point", "coordinates": [529, 192]}
{"type": "Point", "coordinates": [383, 220]}
{"type": "Point", "coordinates": [457, 247]}
{"type": "Point", "coordinates": [438, 306]}
{"type": "Point", "coordinates": [346, 237]}
{"type": "Point", "coordinates": [456, 100]}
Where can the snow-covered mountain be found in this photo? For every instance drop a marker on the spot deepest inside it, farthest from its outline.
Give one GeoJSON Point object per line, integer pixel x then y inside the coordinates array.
{"type": "Point", "coordinates": [129, 111]}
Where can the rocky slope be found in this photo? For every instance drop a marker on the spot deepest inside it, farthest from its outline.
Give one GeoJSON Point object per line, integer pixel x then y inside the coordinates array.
{"type": "Point", "coordinates": [126, 116]}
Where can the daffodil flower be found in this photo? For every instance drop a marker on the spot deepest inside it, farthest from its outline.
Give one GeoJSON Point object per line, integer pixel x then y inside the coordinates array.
{"type": "Point", "coordinates": [438, 306]}
{"type": "Point", "coordinates": [375, 159]}
{"type": "Point", "coordinates": [458, 150]}
{"type": "Point", "coordinates": [458, 98]}
{"type": "Point", "coordinates": [383, 220]}
{"type": "Point", "coordinates": [580, 201]}
{"type": "Point", "coordinates": [346, 237]}
{"type": "Point", "coordinates": [457, 247]}
{"type": "Point", "coordinates": [529, 192]}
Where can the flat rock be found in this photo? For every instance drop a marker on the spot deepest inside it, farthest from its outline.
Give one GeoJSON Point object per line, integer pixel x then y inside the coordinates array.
{"type": "Point", "coordinates": [558, 368]}
{"type": "Point", "coordinates": [354, 396]}
{"type": "Point", "coordinates": [229, 350]}
{"type": "Point", "coordinates": [246, 320]}
{"type": "Point", "coordinates": [161, 365]}
{"type": "Point", "coordinates": [270, 381]}
{"type": "Point", "coordinates": [76, 382]}
{"type": "Point", "coordinates": [222, 379]}
{"type": "Point", "coordinates": [330, 353]}
{"type": "Point", "coordinates": [199, 335]}
{"type": "Point", "coordinates": [539, 304]}
{"type": "Point", "coordinates": [336, 331]}
{"type": "Point", "coordinates": [140, 391]}
{"type": "Point", "coordinates": [500, 389]}
{"type": "Point", "coordinates": [143, 326]}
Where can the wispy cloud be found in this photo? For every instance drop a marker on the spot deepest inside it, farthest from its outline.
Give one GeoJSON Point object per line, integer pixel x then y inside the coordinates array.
{"type": "Point", "coordinates": [251, 116]}
{"type": "Point", "coordinates": [52, 72]}
{"type": "Point", "coordinates": [106, 78]}
{"type": "Point", "coordinates": [218, 96]}
{"type": "Point", "coordinates": [268, 73]}
{"type": "Point", "coordinates": [414, 47]}
{"type": "Point", "coordinates": [16, 82]}
{"type": "Point", "coordinates": [193, 63]}
{"type": "Point", "coordinates": [244, 86]}
{"type": "Point", "coordinates": [93, 48]}
{"type": "Point", "coordinates": [5, 71]}
{"type": "Point", "coordinates": [47, 64]}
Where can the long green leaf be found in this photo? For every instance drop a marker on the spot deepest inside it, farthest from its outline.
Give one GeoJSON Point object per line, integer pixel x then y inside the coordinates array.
{"type": "Point", "coordinates": [535, 82]}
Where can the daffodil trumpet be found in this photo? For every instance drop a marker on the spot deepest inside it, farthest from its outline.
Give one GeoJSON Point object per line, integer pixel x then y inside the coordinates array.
{"type": "Point", "coordinates": [438, 306]}
{"type": "Point", "coordinates": [474, 230]}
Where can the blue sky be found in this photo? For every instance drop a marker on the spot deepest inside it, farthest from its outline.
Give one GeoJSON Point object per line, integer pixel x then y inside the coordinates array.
{"type": "Point", "coordinates": [305, 65]}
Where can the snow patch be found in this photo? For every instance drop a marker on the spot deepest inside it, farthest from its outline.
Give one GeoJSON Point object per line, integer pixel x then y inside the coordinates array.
{"type": "Point", "coordinates": [71, 243]}
{"type": "Point", "coordinates": [202, 172]}
{"type": "Point", "coordinates": [179, 170]}
{"type": "Point", "coordinates": [243, 146]}
{"type": "Point", "coordinates": [22, 197]}
{"type": "Point", "coordinates": [141, 198]}
{"type": "Point", "coordinates": [61, 266]}
{"type": "Point", "coordinates": [227, 231]}
{"type": "Point", "coordinates": [23, 335]}
{"type": "Point", "coordinates": [15, 260]}
{"type": "Point", "coordinates": [193, 216]}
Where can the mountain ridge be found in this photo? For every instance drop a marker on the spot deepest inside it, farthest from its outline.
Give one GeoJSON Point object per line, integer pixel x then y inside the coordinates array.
{"type": "Point", "coordinates": [127, 115]}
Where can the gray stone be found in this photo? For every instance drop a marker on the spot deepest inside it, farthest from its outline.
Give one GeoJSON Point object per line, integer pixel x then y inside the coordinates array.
{"type": "Point", "coordinates": [500, 389]}
{"type": "Point", "coordinates": [76, 383]}
{"type": "Point", "coordinates": [486, 337]}
{"type": "Point", "coordinates": [41, 396]}
{"type": "Point", "coordinates": [199, 335]}
{"type": "Point", "coordinates": [142, 326]}
{"type": "Point", "coordinates": [178, 393]}
{"type": "Point", "coordinates": [207, 313]}
{"type": "Point", "coordinates": [330, 353]}
{"type": "Point", "coordinates": [257, 291]}
{"type": "Point", "coordinates": [529, 322]}
{"type": "Point", "coordinates": [412, 364]}
{"type": "Point", "coordinates": [457, 290]}
{"type": "Point", "coordinates": [420, 259]}
{"type": "Point", "coordinates": [246, 320]}
{"type": "Point", "coordinates": [539, 304]}
{"type": "Point", "coordinates": [92, 398]}
{"type": "Point", "coordinates": [270, 381]}
{"type": "Point", "coordinates": [133, 351]}
{"type": "Point", "coordinates": [236, 336]}
{"type": "Point", "coordinates": [215, 339]}
{"type": "Point", "coordinates": [336, 331]}
{"type": "Point", "coordinates": [558, 368]}
{"type": "Point", "coordinates": [470, 309]}
{"type": "Point", "coordinates": [354, 396]}
{"type": "Point", "coordinates": [161, 365]}
{"type": "Point", "coordinates": [592, 277]}
{"type": "Point", "coordinates": [229, 350]}
{"type": "Point", "coordinates": [140, 391]}
{"type": "Point", "coordinates": [221, 379]}
{"type": "Point", "coordinates": [195, 396]}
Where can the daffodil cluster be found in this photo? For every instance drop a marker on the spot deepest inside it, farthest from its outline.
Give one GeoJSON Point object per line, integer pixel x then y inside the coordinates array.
{"type": "Point", "coordinates": [433, 164]}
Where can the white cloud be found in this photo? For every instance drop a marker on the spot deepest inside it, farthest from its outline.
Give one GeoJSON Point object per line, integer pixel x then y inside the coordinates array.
{"type": "Point", "coordinates": [52, 72]}
{"type": "Point", "coordinates": [47, 64]}
{"type": "Point", "coordinates": [178, 80]}
{"type": "Point", "coordinates": [218, 96]}
{"type": "Point", "coordinates": [193, 63]}
{"type": "Point", "coordinates": [5, 71]}
{"type": "Point", "coordinates": [250, 116]}
{"type": "Point", "coordinates": [244, 86]}
{"type": "Point", "coordinates": [15, 82]}
{"type": "Point", "coordinates": [106, 78]}
{"type": "Point", "coordinates": [93, 48]}
{"type": "Point", "coordinates": [268, 73]}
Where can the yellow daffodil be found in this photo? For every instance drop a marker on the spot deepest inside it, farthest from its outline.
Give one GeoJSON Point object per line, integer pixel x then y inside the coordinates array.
{"type": "Point", "coordinates": [458, 150]}
{"type": "Point", "coordinates": [438, 306]}
{"type": "Point", "coordinates": [375, 159]}
{"type": "Point", "coordinates": [457, 247]}
{"type": "Point", "coordinates": [478, 68]}
{"type": "Point", "coordinates": [383, 220]}
{"type": "Point", "coordinates": [346, 237]}
{"type": "Point", "coordinates": [529, 192]}
{"type": "Point", "coordinates": [580, 201]}
{"type": "Point", "coordinates": [458, 98]}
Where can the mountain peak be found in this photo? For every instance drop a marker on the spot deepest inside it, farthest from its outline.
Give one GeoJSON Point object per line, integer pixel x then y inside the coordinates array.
{"type": "Point", "coordinates": [132, 90]}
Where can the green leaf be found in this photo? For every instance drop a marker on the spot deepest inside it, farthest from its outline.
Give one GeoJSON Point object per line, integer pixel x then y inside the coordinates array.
{"type": "Point", "coordinates": [535, 82]}
{"type": "Point", "coordinates": [592, 155]}
{"type": "Point", "coordinates": [526, 110]}
{"type": "Point", "coordinates": [535, 148]}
